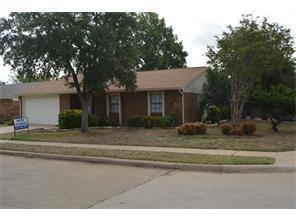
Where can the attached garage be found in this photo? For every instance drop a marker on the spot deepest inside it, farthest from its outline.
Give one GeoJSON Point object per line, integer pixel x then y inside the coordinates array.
{"type": "Point", "coordinates": [41, 109]}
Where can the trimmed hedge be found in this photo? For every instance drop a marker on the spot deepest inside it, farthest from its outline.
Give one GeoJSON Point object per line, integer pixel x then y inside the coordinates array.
{"type": "Point", "coordinates": [152, 121]}
{"type": "Point", "coordinates": [192, 128]}
{"type": "Point", "coordinates": [226, 128]}
{"type": "Point", "coordinates": [71, 118]}
{"type": "Point", "coordinates": [248, 128]}
{"type": "Point", "coordinates": [108, 121]}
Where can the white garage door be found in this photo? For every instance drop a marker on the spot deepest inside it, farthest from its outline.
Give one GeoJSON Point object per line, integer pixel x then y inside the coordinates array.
{"type": "Point", "coordinates": [41, 109]}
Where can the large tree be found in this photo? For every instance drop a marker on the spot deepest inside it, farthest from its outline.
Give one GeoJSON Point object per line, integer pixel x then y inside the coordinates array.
{"type": "Point", "coordinates": [247, 52]}
{"type": "Point", "coordinates": [160, 48]}
{"type": "Point", "coordinates": [92, 50]}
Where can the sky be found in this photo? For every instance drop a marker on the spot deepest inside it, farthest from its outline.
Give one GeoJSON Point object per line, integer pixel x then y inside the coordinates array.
{"type": "Point", "coordinates": [194, 22]}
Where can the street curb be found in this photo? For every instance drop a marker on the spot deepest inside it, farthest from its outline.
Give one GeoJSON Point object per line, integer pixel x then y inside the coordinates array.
{"type": "Point", "coordinates": [157, 164]}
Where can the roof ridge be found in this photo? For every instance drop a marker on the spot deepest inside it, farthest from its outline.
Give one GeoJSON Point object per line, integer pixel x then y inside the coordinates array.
{"type": "Point", "coordinates": [155, 70]}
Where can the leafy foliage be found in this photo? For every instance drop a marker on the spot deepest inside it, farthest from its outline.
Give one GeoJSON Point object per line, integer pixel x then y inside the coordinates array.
{"type": "Point", "coordinates": [71, 118]}
{"type": "Point", "coordinates": [248, 52]}
{"type": "Point", "coordinates": [152, 121]}
{"type": "Point", "coordinates": [276, 102]}
{"type": "Point", "coordinates": [159, 46]}
{"type": "Point", "coordinates": [92, 50]}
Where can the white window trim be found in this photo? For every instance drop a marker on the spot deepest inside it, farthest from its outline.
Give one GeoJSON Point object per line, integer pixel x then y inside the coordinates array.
{"type": "Point", "coordinates": [149, 102]}
{"type": "Point", "coordinates": [119, 103]}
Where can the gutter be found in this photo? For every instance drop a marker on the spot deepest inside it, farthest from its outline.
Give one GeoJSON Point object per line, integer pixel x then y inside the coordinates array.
{"type": "Point", "coordinates": [183, 109]}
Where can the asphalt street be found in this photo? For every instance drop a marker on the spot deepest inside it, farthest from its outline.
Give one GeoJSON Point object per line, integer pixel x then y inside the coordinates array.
{"type": "Point", "coordinates": [41, 183]}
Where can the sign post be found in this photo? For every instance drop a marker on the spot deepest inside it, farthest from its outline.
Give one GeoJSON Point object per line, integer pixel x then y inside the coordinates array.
{"type": "Point", "coordinates": [20, 124]}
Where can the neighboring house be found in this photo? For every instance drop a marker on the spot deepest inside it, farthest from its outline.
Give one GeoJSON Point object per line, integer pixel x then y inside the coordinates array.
{"type": "Point", "coordinates": [9, 104]}
{"type": "Point", "coordinates": [160, 92]}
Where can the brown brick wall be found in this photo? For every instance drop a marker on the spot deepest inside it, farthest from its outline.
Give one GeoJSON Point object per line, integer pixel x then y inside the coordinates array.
{"type": "Point", "coordinates": [9, 109]}
{"type": "Point", "coordinates": [64, 102]}
{"type": "Point", "coordinates": [190, 107]}
{"type": "Point", "coordinates": [133, 104]}
{"type": "Point", "coordinates": [173, 103]}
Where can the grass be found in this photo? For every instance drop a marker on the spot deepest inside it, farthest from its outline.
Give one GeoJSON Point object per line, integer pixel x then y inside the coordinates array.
{"type": "Point", "coordinates": [265, 139]}
{"type": "Point", "coordinates": [143, 155]}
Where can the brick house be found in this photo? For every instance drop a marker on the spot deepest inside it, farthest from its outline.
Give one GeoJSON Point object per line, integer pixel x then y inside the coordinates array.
{"type": "Point", "coordinates": [160, 92]}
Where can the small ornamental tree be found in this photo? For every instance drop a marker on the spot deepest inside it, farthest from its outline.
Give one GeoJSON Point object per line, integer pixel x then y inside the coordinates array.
{"type": "Point", "coordinates": [92, 50]}
{"type": "Point", "coordinates": [276, 102]}
{"type": "Point", "coordinates": [245, 53]}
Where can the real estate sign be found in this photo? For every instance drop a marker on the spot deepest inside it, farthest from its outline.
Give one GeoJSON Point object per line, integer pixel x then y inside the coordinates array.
{"type": "Point", "coordinates": [20, 124]}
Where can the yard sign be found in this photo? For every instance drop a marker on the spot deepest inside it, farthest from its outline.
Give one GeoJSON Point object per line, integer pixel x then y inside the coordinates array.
{"type": "Point", "coordinates": [20, 124]}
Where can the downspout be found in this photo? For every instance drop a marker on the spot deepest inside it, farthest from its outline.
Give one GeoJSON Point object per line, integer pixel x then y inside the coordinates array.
{"type": "Point", "coordinates": [183, 110]}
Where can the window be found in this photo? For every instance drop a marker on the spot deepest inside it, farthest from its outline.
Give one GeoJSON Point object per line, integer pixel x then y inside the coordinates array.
{"type": "Point", "coordinates": [156, 103]}
{"type": "Point", "coordinates": [114, 104]}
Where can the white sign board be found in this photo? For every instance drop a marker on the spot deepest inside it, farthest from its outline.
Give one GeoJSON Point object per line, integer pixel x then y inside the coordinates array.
{"type": "Point", "coordinates": [20, 124]}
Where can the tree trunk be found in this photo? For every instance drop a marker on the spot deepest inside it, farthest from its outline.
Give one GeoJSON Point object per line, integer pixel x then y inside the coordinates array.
{"type": "Point", "coordinates": [236, 107]}
{"type": "Point", "coordinates": [274, 121]}
{"type": "Point", "coordinates": [84, 118]}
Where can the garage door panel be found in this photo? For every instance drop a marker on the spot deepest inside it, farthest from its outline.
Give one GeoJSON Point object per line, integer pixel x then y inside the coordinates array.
{"type": "Point", "coordinates": [41, 109]}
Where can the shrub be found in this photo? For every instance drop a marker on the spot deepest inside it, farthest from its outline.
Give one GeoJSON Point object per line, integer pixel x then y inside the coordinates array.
{"type": "Point", "coordinates": [225, 113]}
{"type": "Point", "coordinates": [201, 128]}
{"type": "Point", "coordinates": [226, 128]}
{"type": "Point", "coordinates": [192, 128]}
{"type": "Point", "coordinates": [152, 121]}
{"type": "Point", "coordinates": [214, 115]}
{"type": "Point", "coordinates": [237, 131]}
{"type": "Point", "coordinates": [92, 120]}
{"type": "Point", "coordinates": [71, 118]}
{"type": "Point", "coordinates": [135, 121]}
{"type": "Point", "coordinates": [169, 120]}
{"type": "Point", "coordinates": [108, 121]}
{"type": "Point", "coordinates": [248, 128]}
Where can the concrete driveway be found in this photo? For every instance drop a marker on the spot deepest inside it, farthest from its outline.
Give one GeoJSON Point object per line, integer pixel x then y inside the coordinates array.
{"type": "Point", "coordinates": [9, 129]}
{"type": "Point", "coordinates": [40, 183]}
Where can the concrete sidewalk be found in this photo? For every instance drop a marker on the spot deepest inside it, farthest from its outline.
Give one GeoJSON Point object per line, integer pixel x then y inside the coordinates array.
{"type": "Point", "coordinates": [152, 149]}
{"type": "Point", "coordinates": [285, 161]}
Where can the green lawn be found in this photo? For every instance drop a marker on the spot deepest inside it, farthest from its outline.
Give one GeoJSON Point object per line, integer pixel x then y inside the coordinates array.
{"type": "Point", "coordinates": [143, 155]}
{"type": "Point", "coordinates": [265, 139]}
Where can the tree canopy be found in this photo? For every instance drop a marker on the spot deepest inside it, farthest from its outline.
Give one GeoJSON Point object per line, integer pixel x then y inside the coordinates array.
{"type": "Point", "coordinates": [248, 52]}
{"type": "Point", "coordinates": [276, 102]}
{"type": "Point", "coordinates": [94, 50]}
{"type": "Point", "coordinates": [160, 48]}
{"type": "Point", "coordinates": [157, 46]}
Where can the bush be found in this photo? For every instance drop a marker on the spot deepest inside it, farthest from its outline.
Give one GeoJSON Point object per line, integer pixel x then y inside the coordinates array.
{"type": "Point", "coordinates": [201, 128]}
{"type": "Point", "coordinates": [71, 118]}
{"type": "Point", "coordinates": [152, 121]}
{"type": "Point", "coordinates": [214, 115]}
{"type": "Point", "coordinates": [226, 128]}
{"type": "Point", "coordinates": [108, 121]}
{"type": "Point", "coordinates": [135, 121]}
{"type": "Point", "coordinates": [92, 120]}
{"type": "Point", "coordinates": [248, 128]}
{"type": "Point", "coordinates": [225, 113]}
{"type": "Point", "coordinates": [237, 131]}
{"type": "Point", "coordinates": [192, 128]}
